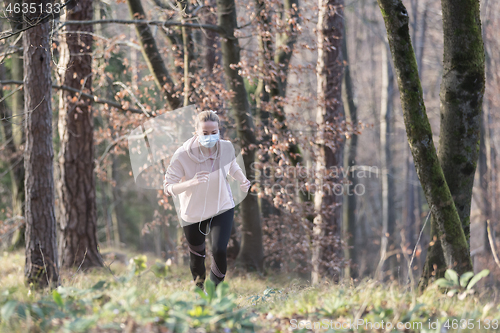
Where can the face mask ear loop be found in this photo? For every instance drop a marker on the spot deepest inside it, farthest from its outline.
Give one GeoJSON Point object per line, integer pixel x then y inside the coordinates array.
{"type": "Point", "coordinates": [204, 206]}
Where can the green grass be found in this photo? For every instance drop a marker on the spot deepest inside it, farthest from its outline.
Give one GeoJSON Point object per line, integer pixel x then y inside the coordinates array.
{"type": "Point", "coordinates": [135, 299]}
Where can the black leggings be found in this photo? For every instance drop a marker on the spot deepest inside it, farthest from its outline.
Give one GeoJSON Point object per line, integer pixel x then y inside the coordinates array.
{"type": "Point", "coordinates": [220, 231]}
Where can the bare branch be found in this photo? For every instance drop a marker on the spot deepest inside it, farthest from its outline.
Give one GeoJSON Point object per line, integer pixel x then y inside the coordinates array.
{"type": "Point", "coordinates": [94, 98]}
{"type": "Point", "coordinates": [211, 27]}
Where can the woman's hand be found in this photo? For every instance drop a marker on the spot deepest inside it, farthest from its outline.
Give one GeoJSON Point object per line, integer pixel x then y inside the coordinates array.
{"type": "Point", "coordinates": [245, 185]}
{"type": "Point", "coordinates": [165, 184]}
{"type": "Point", "coordinates": [199, 178]}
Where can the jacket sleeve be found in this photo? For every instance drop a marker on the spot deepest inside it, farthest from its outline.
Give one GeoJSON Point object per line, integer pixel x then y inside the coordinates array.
{"type": "Point", "coordinates": [174, 174]}
{"type": "Point", "coordinates": [234, 166]}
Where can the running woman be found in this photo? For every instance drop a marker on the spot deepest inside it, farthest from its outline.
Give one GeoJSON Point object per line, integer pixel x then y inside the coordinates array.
{"type": "Point", "coordinates": [197, 174]}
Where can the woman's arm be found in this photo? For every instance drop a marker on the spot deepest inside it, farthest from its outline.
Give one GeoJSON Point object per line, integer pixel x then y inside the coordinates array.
{"type": "Point", "coordinates": [235, 171]}
{"type": "Point", "coordinates": [244, 182]}
{"type": "Point", "coordinates": [238, 175]}
{"type": "Point", "coordinates": [176, 188]}
{"type": "Point", "coordinates": [173, 175]}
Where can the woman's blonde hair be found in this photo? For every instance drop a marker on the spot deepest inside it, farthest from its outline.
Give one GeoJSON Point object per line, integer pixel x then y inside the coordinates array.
{"type": "Point", "coordinates": [204, 116]}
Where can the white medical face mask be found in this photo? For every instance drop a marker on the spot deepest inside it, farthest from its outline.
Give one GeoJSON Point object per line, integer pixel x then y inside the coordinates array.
{"type": "Point", "coordinates": [208, 140]}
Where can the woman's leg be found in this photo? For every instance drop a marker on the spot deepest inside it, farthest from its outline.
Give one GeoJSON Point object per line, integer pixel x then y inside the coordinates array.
{"type": "Point", "coordinates": [196, 244]}
{"type": "Point", "coordinates": [220, 232]}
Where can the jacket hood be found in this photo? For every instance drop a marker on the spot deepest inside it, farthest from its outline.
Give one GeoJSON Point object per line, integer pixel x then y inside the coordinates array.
{"type": "Point", "coordinates": [190, 148]}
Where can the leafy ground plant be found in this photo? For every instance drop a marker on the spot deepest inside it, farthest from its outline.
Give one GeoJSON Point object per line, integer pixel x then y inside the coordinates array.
{"type": "Point", "coordinates": [108, 303]}
{"type": "Point", "coordinates": [463, 285]}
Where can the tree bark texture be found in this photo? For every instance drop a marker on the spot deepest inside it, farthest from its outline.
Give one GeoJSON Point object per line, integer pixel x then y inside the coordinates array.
{"type": "Point", "coordinates": [388, 197]}
{"type": "Point", "coordinates": [251, 255]}
{"type": "Point", "coordinates": [419, 133]}
{"type": "Point", "coordinates": [153, 57]}
{"type": "Point", "coordinates": [349, 206]}
{"type": "Point", "coordinates": [330, 114]}
{"type": "Point", "coordinates": [78, 243]}
{"type": "Point", "coordinates": [462, 90]}
{"type": "Point", "coordinates": [17, 131]}
{"type": "Point", "coordinates": [41, 266]}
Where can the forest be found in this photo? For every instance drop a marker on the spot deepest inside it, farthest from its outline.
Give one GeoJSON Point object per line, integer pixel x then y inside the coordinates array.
{"type": "Point", "coordinates": [320, 99]}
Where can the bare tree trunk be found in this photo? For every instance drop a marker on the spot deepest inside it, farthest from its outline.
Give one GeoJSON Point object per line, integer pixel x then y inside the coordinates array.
{"type": "Point", "coordinates": [487, 175]}
{"type": "Point", "coordinates": [484, 176]}
{"type": "Point", "coordinates": [17, 130]}
{"type": "Point", "coordinates": [264, 96]}
{"type": "Point", "coordinates": [462, 90]}
{"type": "Point", "coordinates": [414, 192]}
{"type": "Point", "coordinates": [285, 44]}
{"type": "Point", "coordinates": [187, 43]}
{"type": "Point", "coordinates": [78, 244]}
{"type": "Point", "coordinates": [113, 212]}
{"type": "Point", "coordinates": [41, 266]}
{"type": "Point", "coordinates": [330, 113]}
{"type": "Point", "coordinates": [270, 94]}
{"type": "Point", "coordinates": [350, 210]}
{"type": "Point", "coordinates": [15, 165]}
{"type": "Point", "coordinates": [486, 156]}
{"type": "Point", "coordinates": [274, 89]}
{"type": "Point", "coordinates": [251, 255]}
{"type": "Point", "coordinates": [437, 192]}
{"type": "Point", "coordinates": [388, 212]}
{"type": "Point", "coordinates": [107, 218]}
{"type": "Point", "coordinates": [210, 39]}
{"type": "Point", "coordinates": [410, 199]}
{"type": "Point", "coordinates": [152, 55]}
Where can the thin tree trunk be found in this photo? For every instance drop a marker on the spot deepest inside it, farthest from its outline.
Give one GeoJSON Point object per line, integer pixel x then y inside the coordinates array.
{"type": "Point", "coordinates": [264, 108]}
{"type": "Point", "coordinates": [210, 40]}
{"type": "Point", "coordinates": [17, 130]}
{"type": "Point", "coordinates": [492, 167]}
{"type": "Point", "coordinates": [330, 113]}
{"type": "Point", "coordinates": [410, 199]}
{"type": "Point", "coordinates": [285, 44]}
{"type": "Point", "coordinates": [437, 192]}
{"type": "Point", "coordinates": [41, 267]}
{"type": "Point", "coordinates": [211, 58]}
{"type": "Point", "coordinates": [484, 177]}
{"type": "Point", "coordinates": [388, 218]}
{"type": "Point", "coordinates": [113, 212]}
{"type": "Point", "coordinates": [107, 217]}
{"type": "Point", "coordinates": [187, 43]}
{"type": "Point", "coordinates": [350, 210]}
{"type": "Point", "coordinates": [152, 55]}
{"type": "Point", "coordinates": [15, 165]}
{"type": "Point", "coordinates": [275, 89]}
{"type": "Point", "coordinates": [462, 90]}
{"type": "Point", "coordinates": [486, 172]}
{"type": "Point", "coordinates": [251, 254]}
{"type": "Point", "coordinates": [414, 190]}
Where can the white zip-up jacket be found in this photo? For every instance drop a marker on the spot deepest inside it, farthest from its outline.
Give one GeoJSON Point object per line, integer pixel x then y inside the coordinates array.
{"type": "Point", "coordinates": [208, 199]}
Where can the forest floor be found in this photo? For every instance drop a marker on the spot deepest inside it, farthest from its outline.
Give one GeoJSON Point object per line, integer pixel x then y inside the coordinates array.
{"type": "Point", "coordinates": [149, 296]}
